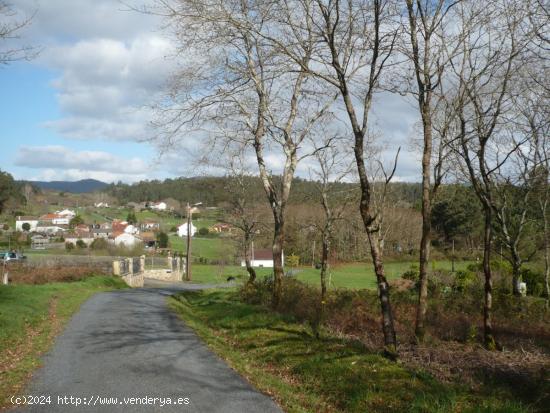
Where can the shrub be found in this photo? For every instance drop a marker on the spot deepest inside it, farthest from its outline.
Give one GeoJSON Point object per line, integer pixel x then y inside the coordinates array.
{"type": "Point", "coordinates": [99, 244]}
{"type": "Point", "coordinates": [69, 246]}
{"type": "Point", "coordinates": [81, 244]}
{"type": "Point", "coordinates": [203, 231]}
{"type": "Point", "coordinates": [5, 227]}
{"type": "Point", "coordinates": [174, 229]}
{"type": "Point", "coordinates": [534, 281]}
{"type": "Point", "coordinates": [463, 279]}
{"type": "Point", "coordinates": [26, 226]}
{"type": "Point", "coordinates": [162, 239]}
{"type": "Point", "coordinates": [412, 274]}
{"type": "Point", "coordinates": [293, 260]}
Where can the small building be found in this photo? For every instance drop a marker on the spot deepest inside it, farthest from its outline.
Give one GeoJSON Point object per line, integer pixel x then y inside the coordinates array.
{"type": "Point", "coordinates": [182, 230]}
{"type": "Point", "coordinates": [149, 239]}
{"type": "Point", "coordinates": [149, 225]}
{"type": "Point", "coordinates": [51, 229]}
{"type": "Point", "coordinates": [262, 258]}
{"type": "Point", "coordinates": [118, 226]}
{"type": "Point", "coordinates": [74, 238]}
{"type": "Point", "coordinates": [221, 227]}
{"type": "Point", "coordinates": [66, 213]}
{"type": "Point", "coordinates": [126, 240]}
{"type": "Point", "coordinates": [55, 219]}
{"type": "Point", "coordinates": [32, 221]}
{"type": "Point", "coordinates": [101, 205]}
{"type": "Point", "coordinates": [158, 206]}
{"type": "Point", "coordinates": [131, 229]}
{"type": "Point", "coordinates": [101, 232]}
{"type": "Point", "coordinates": [39, 242]}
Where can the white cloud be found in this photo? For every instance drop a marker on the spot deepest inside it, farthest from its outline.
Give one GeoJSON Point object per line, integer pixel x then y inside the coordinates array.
{"type": "Point", "coordinates": [62, 163]}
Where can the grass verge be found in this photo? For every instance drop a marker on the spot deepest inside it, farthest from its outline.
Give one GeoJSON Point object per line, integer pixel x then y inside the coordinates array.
{"type": "Point", "coordinates": [304, 374]}
{"type": "Point", "coordinates": [30, 317]}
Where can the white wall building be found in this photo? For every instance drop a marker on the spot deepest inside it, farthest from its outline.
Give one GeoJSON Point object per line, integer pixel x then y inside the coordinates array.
{"type": "Point", "coordinates": [182, 230]}
{"type": "Point", "coordinates": [262, 258]}
{"type": "Point", "coordinates": [32, 221]}
{"type": "Point", "coordinates": [66, 213]}
{"type": "Point", "coordinates": [130, 229]}
{"type": "Point", "coordinates": [127, 240]}
{"type": "Point", "coordinates": [161, 206]}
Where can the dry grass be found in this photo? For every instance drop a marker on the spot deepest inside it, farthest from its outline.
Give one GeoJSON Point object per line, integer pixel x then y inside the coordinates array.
{"type": "Point", "coordinates": [23, 274]}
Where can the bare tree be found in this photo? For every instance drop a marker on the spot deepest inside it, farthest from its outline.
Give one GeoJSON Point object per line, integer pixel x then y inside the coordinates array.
{"type": "Point", "coordinates": [489, 58]}
{"type": "Point", "coordinates": [10, 29]}
{"type": "Point", "coordinates": [244, 215]}
{"type": "Point", "coordinates": [430, 55]}
{"type": "Point", "coordinates": [239, 88]}
{"type": "Point", "coordinates": [332, 168]}
{"type": "Point", "coordinates": [352, 44]}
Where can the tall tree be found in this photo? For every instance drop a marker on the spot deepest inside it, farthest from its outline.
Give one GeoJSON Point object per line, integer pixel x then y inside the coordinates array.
{"type": "Point", "coordinates": [484, 73]}
{"type": "Point", "coordinates": [429, 55]}
{"type": "Point", "coordinates": [241, 89]}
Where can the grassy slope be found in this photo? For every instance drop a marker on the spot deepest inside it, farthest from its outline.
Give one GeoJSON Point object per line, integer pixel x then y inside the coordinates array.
{"type": "Point", "coordinates": [303, 374]}
{"type": "Point", "coordinates": [30, 317]}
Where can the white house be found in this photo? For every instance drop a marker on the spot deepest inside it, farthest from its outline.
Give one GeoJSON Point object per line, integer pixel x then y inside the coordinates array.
{"type": "Point", "coordinates": [101, 205]}
{"type": "Point", "coordinates": [160, 206]}
{"type": "Point", "coordinates": [130, 229]}
{"type": "Point", "coordinates": [66, 213]}
{"type": "Point", "coordinates": [49, 229]}
{"type": "Point", "coordinates": [32, 221]}
{"type": "Point", "coordinates": [126, 240]}
{"type": "Point", "coordinates": [262, 258]}
{"type": "Point", "coordinates": [182, 230]}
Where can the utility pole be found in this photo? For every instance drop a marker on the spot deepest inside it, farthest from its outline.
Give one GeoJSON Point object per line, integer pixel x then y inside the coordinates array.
{"type": "Point", "coordinates": [188, 261]}
{"type": "Point", "coordinates": [313, 255]}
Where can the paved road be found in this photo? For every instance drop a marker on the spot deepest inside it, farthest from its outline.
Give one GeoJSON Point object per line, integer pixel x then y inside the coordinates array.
{"type": "Point", "coordinates": [129, 344]}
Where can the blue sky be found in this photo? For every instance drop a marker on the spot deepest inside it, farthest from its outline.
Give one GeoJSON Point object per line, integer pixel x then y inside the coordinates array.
{"type": "Point", "coordinates": [80, 109]}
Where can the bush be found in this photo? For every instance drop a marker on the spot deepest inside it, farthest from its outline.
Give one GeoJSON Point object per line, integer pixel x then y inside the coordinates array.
{"type": "Point", "coordinates": [5, 227]}
{"type": "Point", "coordinates": [174, 229]}
{"type": "Point", "coordinates": [412, 274]}
{"type": "Point", "coordinates": [203, 231]}
{"type": "Point", "coordinates": [162, 239]}
{"type": "Point", "coordinates": [463, 279]}
{"type": "Point", "coordinates": [293, 260]}
{"type": "Point", "coordinates": [99, 244]}
{"type": "Point", "coordinates": [534, 281]}
{"type": "Point", "coordinates": [26, 226]}
{"type": "Point", "coordinates": [69, 246]}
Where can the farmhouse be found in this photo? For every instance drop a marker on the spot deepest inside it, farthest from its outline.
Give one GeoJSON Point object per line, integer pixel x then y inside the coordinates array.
{"type": "Point", "coordinates": [182, 230]}
{"type": "Point", "coordinates": [55, 219]}
{"type": "Point", "coordinates": [66, 213]}
{"type": "Point", "coordinates": [262, 258]}
{"type": "Point", "coordinates": [32, 221]}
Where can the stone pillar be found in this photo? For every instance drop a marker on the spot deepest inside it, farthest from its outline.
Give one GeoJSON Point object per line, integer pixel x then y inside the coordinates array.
{"type": "Point", "coordinates": [142, 264]}
{"type": "Point", "coordinates": [5, 278]}
{"type": "Point", "coordinates": [170, 263]}
{"type": "Point", "coordinates": [116, 268]}
{"type": "Point", "coordinates": [178, 265]}
{"type": "Point", "coordinates": [130, 262]}
{"type": "Point", "coordinates": [183, 265]}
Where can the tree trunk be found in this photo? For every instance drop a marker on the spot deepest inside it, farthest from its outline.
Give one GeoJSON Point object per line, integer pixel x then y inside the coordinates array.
{"type": "Point", "coordinates": [251, 271]}
{"type": "Point", "coordinates": [390, 339]}
{"type": "Point", "coordinates": [324, 267]}
{"type": "Point", "coordinates": [516, 275]}
{"type": "Point", "coordinates": [424, 258]}
{"type": "Point", "coordinates": [546, 258]}
{"type": "Point", "coordinates": [278, 268]}
{"type": "Point", "coordinates": [488, 337]}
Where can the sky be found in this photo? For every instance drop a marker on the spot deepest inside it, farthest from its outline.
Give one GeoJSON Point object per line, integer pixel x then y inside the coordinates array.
{"type": "Point", "coordinates": [81, 108]}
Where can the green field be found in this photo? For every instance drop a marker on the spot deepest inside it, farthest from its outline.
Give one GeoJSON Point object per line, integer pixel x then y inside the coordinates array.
{"type": "Point", "coordinates": [30, 317]}
{"type": "Point", "coordinates": [355, 275]}
{"type": "Point", "coordinates": [209, 248]}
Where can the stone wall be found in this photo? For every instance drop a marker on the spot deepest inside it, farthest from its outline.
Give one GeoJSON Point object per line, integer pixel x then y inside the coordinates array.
{"type": "Point", "coordinates": [131, 270]}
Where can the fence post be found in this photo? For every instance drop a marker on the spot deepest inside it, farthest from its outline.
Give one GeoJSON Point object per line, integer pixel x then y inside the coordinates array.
{"type": "Point", "coordinates": [183, 265]}
{"type": "Point", "coordinates": [142, 264]}
{"type": "Point", "coordinates": [178, 265]}
{"type": "Point", "coordinates": [116, 267]}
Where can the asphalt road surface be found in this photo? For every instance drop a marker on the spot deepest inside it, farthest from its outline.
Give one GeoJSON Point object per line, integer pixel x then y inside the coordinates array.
{"type": "Point", "coordinates": [128, 344]}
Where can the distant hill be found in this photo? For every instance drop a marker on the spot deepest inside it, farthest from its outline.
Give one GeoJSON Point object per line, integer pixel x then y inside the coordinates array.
{"type": "Point", "coordinates": [77, 187]}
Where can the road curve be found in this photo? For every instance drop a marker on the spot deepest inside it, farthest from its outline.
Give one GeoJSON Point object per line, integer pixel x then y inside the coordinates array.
{"type": "Point", "coordinates": [128, 344]}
